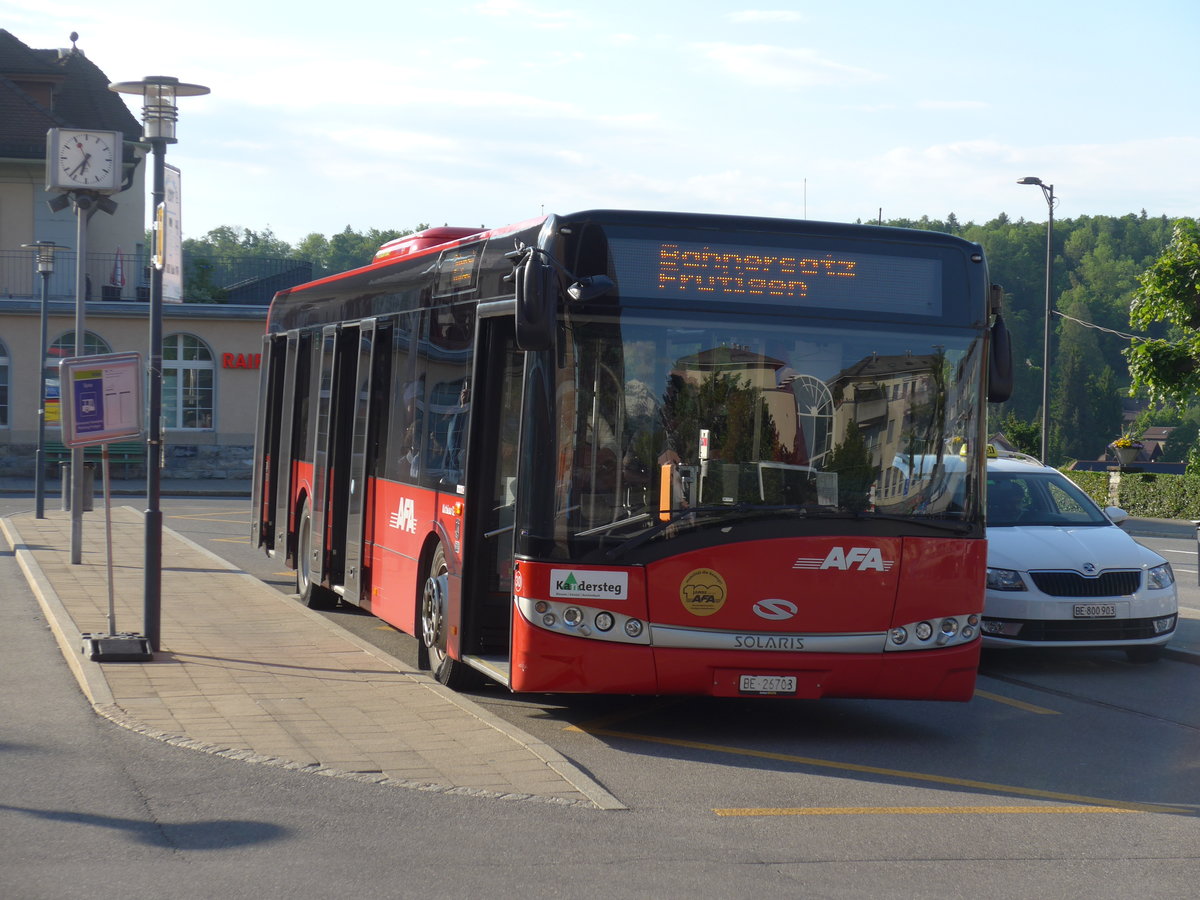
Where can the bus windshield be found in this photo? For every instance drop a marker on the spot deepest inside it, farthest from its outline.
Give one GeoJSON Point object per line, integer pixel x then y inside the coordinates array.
{"type": "Point", "coordinates": [659, 420]}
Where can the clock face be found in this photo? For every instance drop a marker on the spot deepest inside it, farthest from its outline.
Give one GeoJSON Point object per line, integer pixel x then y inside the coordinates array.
{"type": "Point", "coordinates": [88, 160]}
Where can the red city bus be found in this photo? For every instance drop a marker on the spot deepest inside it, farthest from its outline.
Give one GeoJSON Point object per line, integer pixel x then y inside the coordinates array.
{"type": "Point", "coordinates": [645, 453]}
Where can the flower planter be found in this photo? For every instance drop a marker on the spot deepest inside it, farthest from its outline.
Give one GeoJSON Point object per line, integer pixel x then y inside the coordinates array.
{"type": "Point", "coordinates": [1126, 454]}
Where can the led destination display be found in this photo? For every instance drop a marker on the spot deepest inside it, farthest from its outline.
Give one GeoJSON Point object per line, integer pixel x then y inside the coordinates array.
{"type": "Point", "coordinates": [779, 275]}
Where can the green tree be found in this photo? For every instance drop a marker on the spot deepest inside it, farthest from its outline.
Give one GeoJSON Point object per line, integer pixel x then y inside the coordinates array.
{"type": "Point", "coordinates": [1168, 368]}
{"type": "Point", "coordinates": [1025, 436]}
{"type": "Point", "coordinates": [851, 460]}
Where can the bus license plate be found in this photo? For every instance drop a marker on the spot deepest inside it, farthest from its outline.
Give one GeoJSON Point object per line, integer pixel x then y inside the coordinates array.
{"type": "Point", "coordinates": [767, 684]}
{"type": "Point", "coordinates": [1095, 610]}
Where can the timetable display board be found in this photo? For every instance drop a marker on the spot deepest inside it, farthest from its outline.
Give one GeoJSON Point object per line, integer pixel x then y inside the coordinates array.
{"type": "Point", "coordinates": [101, 398]}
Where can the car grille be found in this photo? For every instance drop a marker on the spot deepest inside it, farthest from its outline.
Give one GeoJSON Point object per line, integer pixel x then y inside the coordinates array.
{"type": "Point", "coordinates": [1072, 584]}
{"type": "Point", "coordinates": [1033, 630]}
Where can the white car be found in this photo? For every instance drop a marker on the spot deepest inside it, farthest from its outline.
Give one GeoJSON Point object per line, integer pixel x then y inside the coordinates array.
{"type": "Point", "coordinates": [1062, 574]}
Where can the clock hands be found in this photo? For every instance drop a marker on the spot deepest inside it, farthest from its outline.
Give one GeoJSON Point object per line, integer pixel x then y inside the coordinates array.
{"type": "Point", "coordinates": [80, 169]}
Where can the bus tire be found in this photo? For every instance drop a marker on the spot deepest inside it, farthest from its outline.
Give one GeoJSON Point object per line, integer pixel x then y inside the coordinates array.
{"type": "Point", "coordinates": [311, 595]}
{"type": "Point", "coordinates": [433, 616]}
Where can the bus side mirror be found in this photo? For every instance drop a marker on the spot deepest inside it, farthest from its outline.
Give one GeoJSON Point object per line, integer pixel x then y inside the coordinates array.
{"type": "Point", "coordinates": [537, 304]}
{"type": "Point", "coordinates": [1000, 364]}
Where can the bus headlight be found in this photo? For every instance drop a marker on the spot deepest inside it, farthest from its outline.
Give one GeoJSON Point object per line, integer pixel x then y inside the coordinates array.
{"type": "Point", "coordinates": [604, 621]}
{"type": "Point", "coordinates": [949, 630]}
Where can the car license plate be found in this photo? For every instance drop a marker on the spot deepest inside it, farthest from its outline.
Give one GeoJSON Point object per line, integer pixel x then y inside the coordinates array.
{"type": "Point", "coordinates": [1095, 610]}
{"type": "Point", "coordinates": [767, 684]}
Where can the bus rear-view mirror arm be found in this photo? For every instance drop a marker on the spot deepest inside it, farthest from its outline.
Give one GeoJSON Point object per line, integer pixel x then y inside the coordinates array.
{"type": "Point", "coordinates": [537, 294]}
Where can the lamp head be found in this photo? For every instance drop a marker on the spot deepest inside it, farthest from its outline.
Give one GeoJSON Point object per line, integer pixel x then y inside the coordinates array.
{"type": "Point", "coordinates": [45, 254]}
{"type": "Point", "coordinates": [1029, 179]}
{"type": "Point", "coordinates": [159, 112]}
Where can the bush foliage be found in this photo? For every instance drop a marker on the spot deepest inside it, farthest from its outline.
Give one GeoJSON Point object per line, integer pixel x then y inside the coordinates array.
{"type": "Point", "coordinates": [1145, 495]}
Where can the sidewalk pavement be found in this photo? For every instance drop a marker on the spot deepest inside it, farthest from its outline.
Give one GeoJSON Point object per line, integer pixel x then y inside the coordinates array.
{"type": "Point", "coordinates": [246, 672]}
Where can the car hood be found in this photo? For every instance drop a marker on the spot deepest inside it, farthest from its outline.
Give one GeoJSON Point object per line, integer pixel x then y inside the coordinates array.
{"type": "Point", "coordinates": [1032, 547]}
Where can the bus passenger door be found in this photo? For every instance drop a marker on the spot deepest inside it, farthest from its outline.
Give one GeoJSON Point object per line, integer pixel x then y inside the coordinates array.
{"type": "Point", "coordinates": [372, 368]}
{"type": "Point", "coordinates": [491, 499]}
{"type": "Point", "coordinates": [269, 467]}
{"type": "Point", "coordinates": [331, 455]}
{"type": "Point", "coordinates": [293, 398]}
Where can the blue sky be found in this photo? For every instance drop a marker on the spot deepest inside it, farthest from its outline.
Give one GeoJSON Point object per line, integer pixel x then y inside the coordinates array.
{"type": "Point", "coordinates": [384, 115]}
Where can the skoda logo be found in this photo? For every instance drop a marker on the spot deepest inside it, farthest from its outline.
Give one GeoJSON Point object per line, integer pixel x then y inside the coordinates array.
{"type": "Point", "coordinates": [775, 609]}
{"type": "Point", "coordinates": [1089, 568]}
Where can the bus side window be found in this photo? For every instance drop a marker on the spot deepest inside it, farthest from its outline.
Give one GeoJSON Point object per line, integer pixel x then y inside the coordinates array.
{"type": "Point", "coordinates": [408, 396]}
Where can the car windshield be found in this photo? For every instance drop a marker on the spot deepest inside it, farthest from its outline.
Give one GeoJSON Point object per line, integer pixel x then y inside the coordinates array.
{"type": "Point", "coordinates": [1039, 498]}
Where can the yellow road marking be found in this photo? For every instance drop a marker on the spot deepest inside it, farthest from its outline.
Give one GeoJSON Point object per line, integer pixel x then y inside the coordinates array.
{"type": "Point", "coordinates": [230, 540]}
{"type": "Point", "coordinates": [1019, 704]}
{"type": "Point", "coordinates": [889, 773]}
{"type": "Point", "coordinates": [920, 810]}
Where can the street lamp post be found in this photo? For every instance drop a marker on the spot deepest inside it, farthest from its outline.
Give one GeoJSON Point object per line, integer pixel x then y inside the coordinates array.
{"type": "Point", "coordinates": [45, 263]}
{"type": "Point", "coordinates": [1048, 191]}
{"type": "Point", "coordinates": [159, 114]}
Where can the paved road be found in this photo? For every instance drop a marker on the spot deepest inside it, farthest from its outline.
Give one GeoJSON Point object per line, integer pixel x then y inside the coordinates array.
{"type": "Point", "coordinates": [913, 799]}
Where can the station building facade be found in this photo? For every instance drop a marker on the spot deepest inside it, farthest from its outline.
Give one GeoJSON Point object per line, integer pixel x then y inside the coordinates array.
{"type": "Point", "coordinates": [210, 351]}
{"type": "Point", "coordinates": [211, 356]}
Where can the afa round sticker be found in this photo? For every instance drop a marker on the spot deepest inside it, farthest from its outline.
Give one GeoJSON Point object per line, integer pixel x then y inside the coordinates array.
{"type": "Point", "coordinates": [702, 592]}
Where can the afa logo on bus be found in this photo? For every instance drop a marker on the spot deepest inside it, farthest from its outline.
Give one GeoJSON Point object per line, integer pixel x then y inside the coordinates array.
{"type": "Point", "coordinates": [862, 559]}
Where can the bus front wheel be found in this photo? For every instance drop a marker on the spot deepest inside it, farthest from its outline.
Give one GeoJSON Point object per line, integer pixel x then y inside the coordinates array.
{"type": "Point", "coordinates": [434, 628]}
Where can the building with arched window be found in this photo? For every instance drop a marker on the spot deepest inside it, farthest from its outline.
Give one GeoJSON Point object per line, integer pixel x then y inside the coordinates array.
{"type": "Point", "coordinates": [210, 376]}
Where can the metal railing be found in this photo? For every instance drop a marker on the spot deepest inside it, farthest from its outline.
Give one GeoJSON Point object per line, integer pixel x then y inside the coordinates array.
{"type": "Point", "coordinates": [125, 277]}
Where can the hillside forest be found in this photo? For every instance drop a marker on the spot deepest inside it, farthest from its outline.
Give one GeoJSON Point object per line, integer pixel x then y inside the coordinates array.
{"type": "Point", "coordinates": [1099, 264]}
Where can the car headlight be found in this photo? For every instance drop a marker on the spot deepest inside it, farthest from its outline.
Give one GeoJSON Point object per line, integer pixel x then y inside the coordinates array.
{"type": "Point", "coordinates": [1160, 577]}
{"type": "Point", "coordinates": [1004, 580]}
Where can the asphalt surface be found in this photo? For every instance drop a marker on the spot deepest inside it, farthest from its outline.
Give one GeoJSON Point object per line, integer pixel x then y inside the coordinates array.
{"type": "Point", "coordinates": [243, 672]}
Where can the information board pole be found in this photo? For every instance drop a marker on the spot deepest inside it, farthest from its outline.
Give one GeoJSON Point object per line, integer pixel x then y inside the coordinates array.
{"type": "Point", "coordinates": [101, 403]}
{"type": "Point", "coordinates": [112, 609]}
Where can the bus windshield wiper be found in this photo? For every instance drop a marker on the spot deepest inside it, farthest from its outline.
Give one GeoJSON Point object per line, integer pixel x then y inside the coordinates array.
{"type": "Point", "coordinates": [719, 513]}
{"type": "Point", "coordinates": [941, 524]}
{"type": "Point", "coordinates": [955, 525]}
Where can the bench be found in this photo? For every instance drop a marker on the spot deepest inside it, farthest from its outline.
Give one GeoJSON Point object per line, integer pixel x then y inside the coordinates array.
{"type": "Point", "coordinates": [132, 453]}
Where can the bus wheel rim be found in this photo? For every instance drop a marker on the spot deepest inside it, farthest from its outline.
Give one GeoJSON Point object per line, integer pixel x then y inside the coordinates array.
{"type": "Point", "coordinates": [433, 614]}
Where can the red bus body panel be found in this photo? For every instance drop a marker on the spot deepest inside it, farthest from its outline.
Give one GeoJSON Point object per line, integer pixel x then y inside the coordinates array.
{"type": "Point", "coordinates": [837, 585]}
